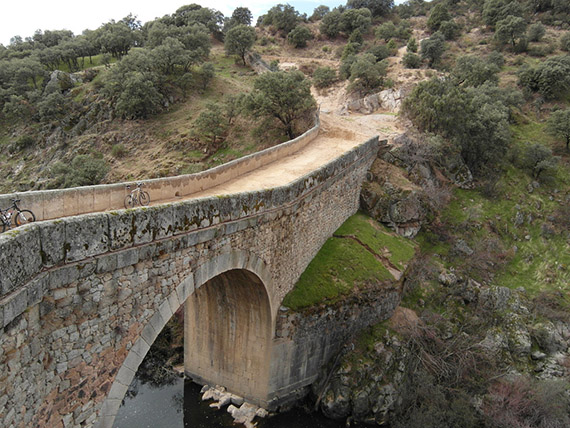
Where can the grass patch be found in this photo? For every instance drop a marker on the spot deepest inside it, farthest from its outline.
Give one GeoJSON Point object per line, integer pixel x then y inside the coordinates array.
{"type": "Point", "coordinates": [379, 237]}
{"type": "Point", "coordinates": [343, 265]}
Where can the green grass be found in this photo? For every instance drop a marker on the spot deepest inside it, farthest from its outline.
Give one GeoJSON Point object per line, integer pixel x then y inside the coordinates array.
{"type": "Point", "coordinates": [539, 263]}
{"type": "Point", "coordinates": [377, 236]}
{"type": "Point", "coordinates": [343, 264]}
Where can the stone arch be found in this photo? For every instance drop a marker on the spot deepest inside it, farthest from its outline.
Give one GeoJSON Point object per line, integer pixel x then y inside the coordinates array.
{"type": "Point", "coordinates": [231, 261]}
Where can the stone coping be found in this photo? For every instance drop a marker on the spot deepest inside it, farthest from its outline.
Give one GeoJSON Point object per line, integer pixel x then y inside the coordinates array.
{"type": "Point", "coordinates": [57, 203]}
{"type": "Point", "coordinates": [29, 253]}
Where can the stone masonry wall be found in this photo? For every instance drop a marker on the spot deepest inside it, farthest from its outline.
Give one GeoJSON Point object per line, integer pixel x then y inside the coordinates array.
{"type": "Point", "coordinates": [83, 298]}
{"type": "Point", "coordinates": [51, 204]}
{"type": "Point", "coordinates": [305, 341]}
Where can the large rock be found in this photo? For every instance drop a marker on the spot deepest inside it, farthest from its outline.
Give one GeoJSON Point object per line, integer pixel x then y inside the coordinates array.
{"type": "Point", "coordinates": [389, 99]}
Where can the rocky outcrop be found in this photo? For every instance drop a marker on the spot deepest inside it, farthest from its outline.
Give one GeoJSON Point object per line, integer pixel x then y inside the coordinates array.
{"type": "Point", "coordinates": [370, 383]}
{"type": "Point", "coordinates": [389, 99]}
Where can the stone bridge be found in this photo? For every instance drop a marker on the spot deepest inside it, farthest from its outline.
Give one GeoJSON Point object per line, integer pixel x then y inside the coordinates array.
{"type": "Point", "coordinates": [84, 297]}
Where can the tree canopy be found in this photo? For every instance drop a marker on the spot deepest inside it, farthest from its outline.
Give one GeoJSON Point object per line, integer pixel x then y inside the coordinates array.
{"type": "Point", "coordinates": [239, 40]}
{"type": "Point", "coordinates": [284, 96]}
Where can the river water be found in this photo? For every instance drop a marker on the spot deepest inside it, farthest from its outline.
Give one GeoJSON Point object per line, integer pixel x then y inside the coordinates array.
{"type": "Point", "coordinates": [177, 404]}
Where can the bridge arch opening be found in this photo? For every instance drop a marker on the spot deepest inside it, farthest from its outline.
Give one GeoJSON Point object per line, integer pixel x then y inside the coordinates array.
{"type": "Point", "coordinates": [227, 334]}
{"type": "Point", "coordinates": [237, 281]}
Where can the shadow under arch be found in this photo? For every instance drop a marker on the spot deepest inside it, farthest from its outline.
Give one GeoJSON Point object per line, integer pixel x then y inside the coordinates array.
{"type": "Point", "coordinates": [242, 266]}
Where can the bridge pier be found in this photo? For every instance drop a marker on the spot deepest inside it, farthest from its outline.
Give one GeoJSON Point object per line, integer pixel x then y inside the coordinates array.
{"type": "Point", "coordinates": [227, 335]}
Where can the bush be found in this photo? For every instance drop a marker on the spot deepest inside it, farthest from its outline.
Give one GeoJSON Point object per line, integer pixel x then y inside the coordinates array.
{"type": "Point", "coordinates": [118, 150]}
{"type": "Point", "coordinates": [380, 52]}
{"type": "Point", "coordinates": [299, 36]}
{"type": "Point", "coordinates": [323, 77]}
{"type": "Point", "coordinates": [412, 45]}
{"type": "Point", "coordinates": [550, 78]}
{"type": "Point", "coordinates": [539, 161]}
{"type": "Point", "coordinates": [536, 32]}
{"type": "Point", "coordinates": [84, 170]}
{"type": "Point", "coordinates": [432, 49]}
{"type": "Point", "coordinates": [377, 7]}
{"type": "Point", "coordinates": [211, 122]}
{"type": "Point", "coordinates": [438, 15]}
{"type": "Point", "coordinates": [355, 19]}
{"type": "Point", "coordinates": [386, 31]}
{"type": "Point", "coordinates": [474, 119]}
{"type": "Point", "coordinates": [524, 402]}
{"type": "Point", "coordinates": [565, 42]}
{"type": "Point", "coordinates": [282, 17]}
{"type": "Point", "coordinates": [471, 70]}
{"type": "Point", "coordinates": [330, 24]}
{"type": "Point", "coordinates": [496, 58]}
{"type": "Point", "coordinates": [411, 60]}
{"type": "Point", "coordinates": [139, 97]}
{"type": "Point", "coordinates": [366, 74]}
{"type": "Point", "coordinates": [450, 30]}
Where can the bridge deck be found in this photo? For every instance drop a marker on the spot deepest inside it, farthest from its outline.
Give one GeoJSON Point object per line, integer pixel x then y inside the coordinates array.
{"type": "Point", "coordinates": [334, 140]}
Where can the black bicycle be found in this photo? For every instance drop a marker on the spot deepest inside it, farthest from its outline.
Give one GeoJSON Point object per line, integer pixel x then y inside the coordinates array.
{"type": "Point", "coordinates": [20, 216]}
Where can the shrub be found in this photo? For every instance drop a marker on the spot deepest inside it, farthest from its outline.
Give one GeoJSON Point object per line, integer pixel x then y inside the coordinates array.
{"type": "Point", "coordinates": [412, 45]}
{"type": "Point", "coordinates": [471, 70]}
{"type": "Point", "coordinates": [550, 78]}
{"type": "Point", "coordinates": [282, 17]}
{"type": "Point", "coordinates": [377, 7]}
{"type": "Point", "coordinates": [139, 97]}
{"type": "Point", "coordinates": [511, 30]}
{"type": "Point", "coordinates": [355, 19]}
{"type": "Point", "coordinates": [323, 77]}
{"type": "Point", "coordinates": [524, 402]}
{"type": "Point", "coordinates": [496, 58]}
{"type": "Point", "coordinates": [330, 24]}
{"type": "Point", "coordinates": [299, 36]}
{"type": "Point", "coordinates": [211, 122]}
{"type": "Point", "coordinates": [538, 160]}
{"type": "Point", "coordinates": [565, 42]}
{"type": "Point", "coordinates": [411, 60]}
{"type": "Point", "coordinates": [474, 119]}
{"type": "Point", "coordinates": [432, 49]}
{"type": "Point", "coordinates": [386, 31]}
{"type": "Point", "coordinates": [84, 170]}
{"type": "Point", "coordinates": [380, 52]}
{"type": "Point", "coordinates": [366, 74]}
{"type": "Point", "coordinates": [438, 15]}
{"type": "Point", "coordinates": [450, 30]}
{"type": "Point", "coordinates": [118, 150]}
{"type": "Point", "coordinates": [536, 32]}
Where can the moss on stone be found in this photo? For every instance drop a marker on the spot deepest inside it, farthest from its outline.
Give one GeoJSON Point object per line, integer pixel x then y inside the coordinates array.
{"type": "Point", "coordinates": [343, 265]}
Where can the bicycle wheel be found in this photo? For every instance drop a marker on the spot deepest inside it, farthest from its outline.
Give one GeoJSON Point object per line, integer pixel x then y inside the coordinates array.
{"type": "Point", "coordinates": [144, 198]}
{"type": "Point", "coordinates": [24, 217]}
{"type": "Point", "coordinates": [129, 203]}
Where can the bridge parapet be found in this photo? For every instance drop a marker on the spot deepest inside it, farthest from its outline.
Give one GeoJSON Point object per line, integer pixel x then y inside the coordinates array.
{"type": "Point", "coordinates": [80, 295]}
{"type": "Point", "coordinates": [51, 204]}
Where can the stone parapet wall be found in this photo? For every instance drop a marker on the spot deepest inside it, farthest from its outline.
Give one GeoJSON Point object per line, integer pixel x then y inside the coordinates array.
{"type": "Point", "coordinates": [83, 298]}
{"type": "Point", "coordinates": [51, 204]}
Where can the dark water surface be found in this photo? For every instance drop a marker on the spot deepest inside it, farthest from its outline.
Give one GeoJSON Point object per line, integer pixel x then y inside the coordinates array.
{"type": "Point", "coordinates": [179, 404]}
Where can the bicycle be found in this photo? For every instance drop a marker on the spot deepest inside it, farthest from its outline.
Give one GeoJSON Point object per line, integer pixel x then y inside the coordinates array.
{"type": "Point", "coordinates": [137, 196]}
{"type": "Point", "coordinates": [20, 216]}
